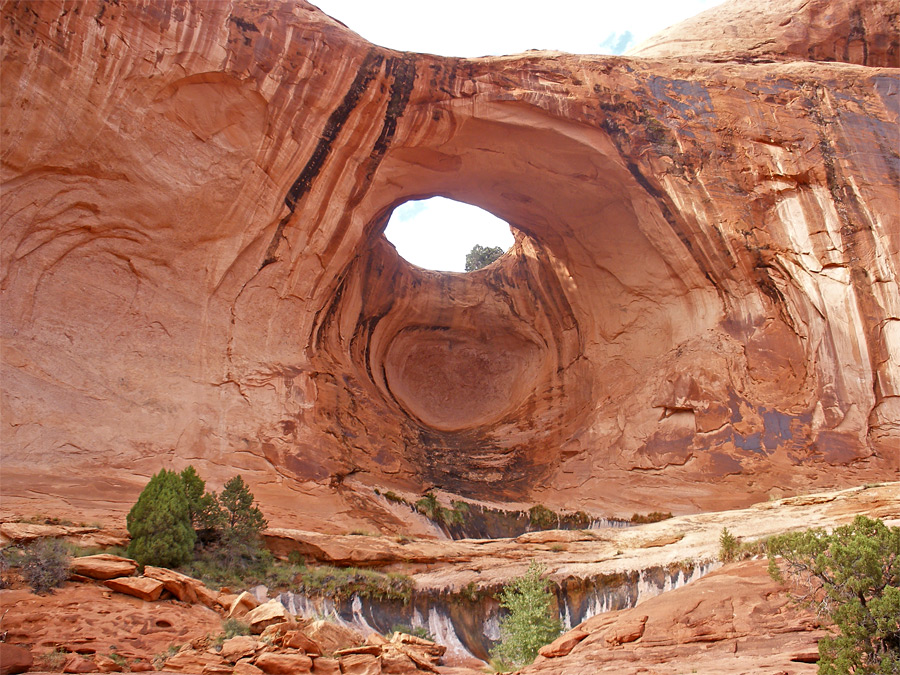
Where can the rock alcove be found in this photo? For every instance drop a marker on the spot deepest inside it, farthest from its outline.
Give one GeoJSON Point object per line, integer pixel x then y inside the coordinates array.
{"type": "Point", "coordinates": [702, 290]}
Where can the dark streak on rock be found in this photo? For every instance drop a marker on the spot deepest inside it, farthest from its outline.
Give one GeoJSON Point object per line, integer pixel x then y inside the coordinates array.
{"type": "Point", "coordinates": [366, 73]}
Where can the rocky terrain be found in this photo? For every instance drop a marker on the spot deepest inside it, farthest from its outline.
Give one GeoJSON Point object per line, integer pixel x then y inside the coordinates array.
{"type": "Point", "coordinates": [700, 310]}
{"type": "Point", "coordinates": [700, 315]}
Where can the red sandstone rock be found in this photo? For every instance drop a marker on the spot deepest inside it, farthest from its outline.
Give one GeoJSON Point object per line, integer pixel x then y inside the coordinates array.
{"type": "Point", "coordinates": [104, 664]}
{"type": "Point", "coordinates": [144, 588]}
{"type": "Point", "coordinates": [735, 620]}
{"type": "Point", "coordinates": [14, 659]}
{"type": "Point", "coordinates": [284, 664]}
{"type": "Point", "coordinates": [326, 666]}
{"type": "Point", "coordinates": [241, 646]}
{"type": "Point", "coordinates": [267, 614]}
{"type": "Point", "coordinates": [360, 664]}
{"type": "Point", "coordinates": [102, 566]}
{"type": "Point", "coordinates": [75, 663]}
{"type": "Point", "coordinates": [564, 644]}
{"type": "Point", "coordinates": [180, 585]}
{"type": "Point", "coordinates": [331, 637]}
{"type": "Point", "coordinates": [189, 660]}
{"type": "Point", "coordinates": [296, 639]}
{"type": "Point", "coordinates": [245, 667]}
{"type": "Point", "coordinates": [241, 605]}
{"type": "Point", "coordinates": [703, 286]}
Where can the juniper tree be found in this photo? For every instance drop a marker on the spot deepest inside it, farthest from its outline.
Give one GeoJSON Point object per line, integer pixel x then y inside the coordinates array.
{"type": "Point", "coordinates": [160, 523]}
{"type": "Point", "coordinates": [853, 575]}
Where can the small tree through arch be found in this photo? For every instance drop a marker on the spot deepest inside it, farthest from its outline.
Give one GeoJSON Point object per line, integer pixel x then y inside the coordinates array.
{"type": "Point", "coordinates": [482, 256]}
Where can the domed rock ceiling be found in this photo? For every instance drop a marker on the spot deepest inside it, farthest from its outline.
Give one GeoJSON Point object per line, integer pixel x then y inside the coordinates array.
{"type": "Point", "coordinates": [701, 306]}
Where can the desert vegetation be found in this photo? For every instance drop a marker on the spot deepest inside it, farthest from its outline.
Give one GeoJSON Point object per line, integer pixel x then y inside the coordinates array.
{"type": "Point", "coordinates": [853, 576]}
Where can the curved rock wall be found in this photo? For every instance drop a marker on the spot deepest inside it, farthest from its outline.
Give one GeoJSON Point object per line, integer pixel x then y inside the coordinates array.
{"type": "Point", "coordinates": [703, 290]}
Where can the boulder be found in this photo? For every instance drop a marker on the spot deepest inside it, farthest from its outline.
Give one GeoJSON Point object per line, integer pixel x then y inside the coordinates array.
{"type": "Point", "coordinates": [297, 639]}
{"type": "Point", "coordinates": [326, 666]}
{"type": "Point", "coordinates": [331, 637]}
{"type": "Point", "coordinates": [76, 663]}
{"type": "Point", "coordinates": [360, 664]}
{"type": "Point", "coordinates": [144, 588]}
{"type": "Point", "coordinates": [180, 585]}
{"type": "Point", "coordinates": [103, 566]}
{"type": "Point", "coordinates": [267, 614]}
{"type": "Point", "coordinates": [239, 647]}
{"type": "Point", "coordinates": [284, 664]}
{"type": "Point", "coordinates": [242, 604]}
{"type": "Point", "coordinates": [14, 659]}
{"type": "Point", "coordinates": [107, 665]}
{"type": "Point", "coordinates": [245, 667]}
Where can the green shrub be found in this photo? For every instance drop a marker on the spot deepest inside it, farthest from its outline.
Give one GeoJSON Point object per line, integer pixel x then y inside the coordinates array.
{"type": "Point", "coordinates": [542, 518]}
{"type": "Point", "coordinates": [853, 575]}
{"type": "Point", "coordinates": [430, 507]}
{"type": "Point", "coordinates": [243, 521]}
{"type": "Point", "coordinates": [530, 623]}
{"type": "Point", "coordinates": [418, 631]}
{"type": "Point", "coordinates": [45, 564]}
{"type": "Point", "coordinates": [341, 583]}
{"type": "Point", "coordinates": [728, 546]}
{"type": "Point", "coordinates": [233, 627]}
{"type": "Point", "coordinates": [652, 517]}
{"type": "Point", "coordinates": [394, 497]}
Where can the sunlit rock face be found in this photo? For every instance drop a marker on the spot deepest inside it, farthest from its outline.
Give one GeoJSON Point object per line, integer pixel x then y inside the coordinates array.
{"type": "Point", "coordinates": [703, 290]}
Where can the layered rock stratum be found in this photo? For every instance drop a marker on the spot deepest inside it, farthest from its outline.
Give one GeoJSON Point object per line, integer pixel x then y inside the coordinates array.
{"type": "Point", "coordinates": [701, 308]}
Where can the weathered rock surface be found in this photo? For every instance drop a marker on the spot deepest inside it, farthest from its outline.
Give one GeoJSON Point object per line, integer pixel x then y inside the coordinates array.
{"type": "Point", "coordinates": [89, 618]}
{"type": "Point", "coordinates": [14, 659]}
{"type": "Point", "coordinates": [703, 289]}
{"type": "Point", "coordinates": [102, 566]}
{"type": "Point", "coordinates": [735, 620]}
{"type": "Point", "coordinates": [145, 588]}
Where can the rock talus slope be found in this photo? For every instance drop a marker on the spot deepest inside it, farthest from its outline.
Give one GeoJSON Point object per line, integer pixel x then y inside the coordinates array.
{"type": "Point", "coordinates": [703, 290]}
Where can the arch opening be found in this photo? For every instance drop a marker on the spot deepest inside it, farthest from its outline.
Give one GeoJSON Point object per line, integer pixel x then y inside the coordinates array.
{"type": "Point", "coordinates": [438, 233]}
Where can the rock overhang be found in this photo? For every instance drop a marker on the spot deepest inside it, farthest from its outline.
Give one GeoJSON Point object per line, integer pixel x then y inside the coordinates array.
{"type": "Point", "coordinates": [666, 307]}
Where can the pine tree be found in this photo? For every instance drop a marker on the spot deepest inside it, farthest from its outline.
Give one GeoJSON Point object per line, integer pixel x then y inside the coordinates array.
{"type": "Point", "coordinates": [530, 623]}
{"type": "Point", "coordinates": [243, 521]}
{"type": "Point", "coordinates": [160, 523]}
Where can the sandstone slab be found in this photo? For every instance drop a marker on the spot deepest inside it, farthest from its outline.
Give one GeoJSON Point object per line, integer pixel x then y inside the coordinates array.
{"type": "Point", "coordinates": [103, 566]}
{"type": "Point", "coordinates": [283, 664]}
{"type": "Point", "coordinates": [265, 615]}
{"type": "Point", "coordinates": [144, 588]}
{"type": "Point", "coordinates": [14, 659]}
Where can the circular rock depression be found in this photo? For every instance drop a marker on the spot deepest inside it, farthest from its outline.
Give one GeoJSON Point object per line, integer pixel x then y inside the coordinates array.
{"type": "Point", "coordinates": [452, 379]}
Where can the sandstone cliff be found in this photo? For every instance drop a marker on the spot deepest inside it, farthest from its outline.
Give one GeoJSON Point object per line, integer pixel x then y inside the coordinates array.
{"type": "Point", "coordinates": [701, 307]}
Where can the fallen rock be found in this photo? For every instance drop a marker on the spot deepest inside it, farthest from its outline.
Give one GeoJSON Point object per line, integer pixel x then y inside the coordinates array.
{"type": "Point", "coordinates": [564, 644]}
{"type": "Point", "coordinates": [297, 639]}
{"type": "Point", "coordinates": [107, 665]}
{"type": "Point", "coordinates": [103, 566]}
{"type": "Point", "coordinates": [360, 664]}
{"type": "Point", "coordinates": [144, 588]}
{"type": "Point", "coordinates": [245, 667]}
{"type": "Point", "coordinates": [284, 664]}
{"type": "Point", "coordinates": [180, 585]}
{"type": "Point", "coordinates": [332, 637]}
{"type": "Point", "coordinates": [326, 666]}
{"type": "Point", "coordinates": [76, 663]}
{"type": "Point", "coordinates": [241, 605]}
{"type": "Point", "coordinates": [395, 661]}
{"type": "Point", "coordinates": [236, 648]}
{"type": "Point", "coordinates": [14, 659]}
{"type": "Point", "coordinates": [267, 614]}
